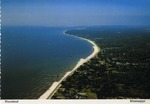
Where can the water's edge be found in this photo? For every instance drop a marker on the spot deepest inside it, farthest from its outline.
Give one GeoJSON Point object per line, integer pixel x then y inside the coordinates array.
{"type": "Point", "coordinates": [54, 87]}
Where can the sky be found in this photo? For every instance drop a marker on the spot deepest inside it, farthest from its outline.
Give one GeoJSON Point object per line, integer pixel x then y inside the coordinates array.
{"type": "Point", "coordinates": [75, 12]}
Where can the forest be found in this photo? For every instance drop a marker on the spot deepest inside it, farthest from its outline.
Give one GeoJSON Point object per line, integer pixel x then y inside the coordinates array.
{"type": "Point", "coordinates": [121, 70]}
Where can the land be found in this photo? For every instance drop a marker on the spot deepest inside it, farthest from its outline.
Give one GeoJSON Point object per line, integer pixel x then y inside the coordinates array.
{"type": "Point", "coordinates": [119, 71]}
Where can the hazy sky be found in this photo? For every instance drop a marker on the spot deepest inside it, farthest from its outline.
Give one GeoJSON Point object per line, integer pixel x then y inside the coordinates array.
{"type": "Point", "coordinates": [75, 12]}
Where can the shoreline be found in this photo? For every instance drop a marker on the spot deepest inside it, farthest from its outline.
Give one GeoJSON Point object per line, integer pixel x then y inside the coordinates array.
{"type": "Point", "coordinates": [55, 86]}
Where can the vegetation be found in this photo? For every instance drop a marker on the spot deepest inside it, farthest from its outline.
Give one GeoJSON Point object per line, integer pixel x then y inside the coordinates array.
{"type": "Point", "coordinates": [120, 70]}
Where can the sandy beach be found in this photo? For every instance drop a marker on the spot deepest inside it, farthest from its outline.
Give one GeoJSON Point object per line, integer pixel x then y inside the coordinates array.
{"type": "Point", "coordinates": [54, 87]}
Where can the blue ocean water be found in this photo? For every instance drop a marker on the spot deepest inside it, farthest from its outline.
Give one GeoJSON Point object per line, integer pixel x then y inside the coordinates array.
{"type": "Point", "coordinates": [34, 57]}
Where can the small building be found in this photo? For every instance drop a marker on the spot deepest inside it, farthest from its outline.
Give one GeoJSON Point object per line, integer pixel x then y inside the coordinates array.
{"type": "Point", "coordinates": [61, 89]}
{"type": "Point", "coordinates": [81, 95]}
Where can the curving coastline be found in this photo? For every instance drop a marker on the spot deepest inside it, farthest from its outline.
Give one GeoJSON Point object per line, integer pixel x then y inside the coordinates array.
{"type": "Point", "coordinates": [54, 87]}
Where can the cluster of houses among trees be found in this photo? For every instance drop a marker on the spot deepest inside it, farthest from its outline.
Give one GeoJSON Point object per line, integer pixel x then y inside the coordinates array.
{"type": "Point", "coordinates": [120, 70]}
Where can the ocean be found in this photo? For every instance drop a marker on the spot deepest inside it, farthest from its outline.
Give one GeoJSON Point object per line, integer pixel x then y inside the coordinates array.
{"type": "Point", "coordinates": [34, 57]}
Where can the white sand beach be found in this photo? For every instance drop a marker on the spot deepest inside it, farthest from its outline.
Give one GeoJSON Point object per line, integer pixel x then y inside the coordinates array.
{"type": "Point", "coordinates": [50, 92]}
